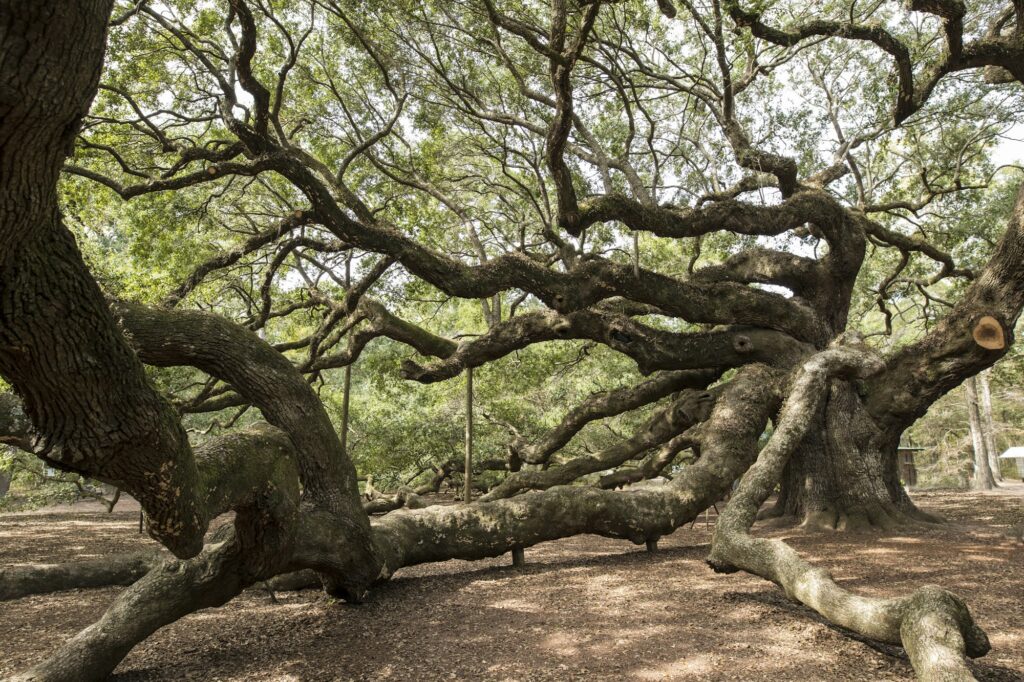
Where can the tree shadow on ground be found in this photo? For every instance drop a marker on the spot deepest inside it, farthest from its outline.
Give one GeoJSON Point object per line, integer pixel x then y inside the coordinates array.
{"type": "Point", "coordinates": [985, 672]}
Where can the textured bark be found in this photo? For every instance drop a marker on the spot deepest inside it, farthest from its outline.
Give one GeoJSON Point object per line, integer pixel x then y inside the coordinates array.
{"type": "Point", "coordinates": [82, 386]}
{"type": "Point", "coordinates": [932, 624]}
{"type": "Point", "coordinates": [689, 408]}
{"type": "Point", "coordinates": [23, 580]}
{"type": "Point", "coordinates": [267, 379]}
{"type": "Point", "coordinates": [921, 373]}
{"type": "Point", "coordinates": [15, 426]}
{"type": "Point", "coordinates": [841, 477]}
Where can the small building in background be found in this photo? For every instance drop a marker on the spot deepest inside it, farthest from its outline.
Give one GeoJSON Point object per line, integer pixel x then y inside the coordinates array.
{"type": "Point", "coordinates": [1017, 453]}
{"type": "Point", "coordinates": [908, 469]}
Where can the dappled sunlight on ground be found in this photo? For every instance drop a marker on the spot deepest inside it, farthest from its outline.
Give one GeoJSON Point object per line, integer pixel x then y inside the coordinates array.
{"type": "Point", "coordinates": [582, 608]}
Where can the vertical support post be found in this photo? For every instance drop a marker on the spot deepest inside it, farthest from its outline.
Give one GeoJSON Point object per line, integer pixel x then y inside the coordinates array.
{"type": "Point", "coordinates": [347, 392]}
{"type": "Point", "coordinates": [518, 557]}
{"type": "Point", "coordinates": [347, 388]}
{"type": "Point", "coordinates": [636, 254]}
{"type": "Point", "coordinates": [467, 493]}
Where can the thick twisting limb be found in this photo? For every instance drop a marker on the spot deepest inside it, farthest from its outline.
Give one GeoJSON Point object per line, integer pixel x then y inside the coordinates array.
{"type": "Point", "coordinates": [561, 65]}
{"type": "Point", "coordinates": [652, 349]}
{"type": "Point", "coordinates": [690, 407]}
{"type": "Point", "coordinates": [164, 595]}
{"type": "Point", "coordinates": [933, 625]}
{"type": "Point", "coordinates": [766, 266]}
{"type": "Point", "coordinates": [736, 422]}
{"type": "Point", "coordinates": [608, 404]}
{"type": "Point", "coordinates": [993, 50]}
{"type": "Point", "coordinates": [231, 468]}
{"type": "Point", "coordinates": [922, 372]}
{"type": "Point", "coordinates": [270, 381]}
{"type": "Point", "coordinates": [409, 537]}
{"type": "Point", "coordinates": [252, 472]}
{"type": "Point", "coordinates": [731, 215]}
{"type": "Point", "coordinates": [652, 465]}
{"type": "Point", "coordinates": [485, 529]}
{"type": "Point", "coordinates": [125, 569]}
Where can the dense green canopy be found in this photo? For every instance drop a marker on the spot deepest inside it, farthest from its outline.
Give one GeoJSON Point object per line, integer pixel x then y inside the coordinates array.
{"type": "Point", "coordinates": [247, 263]}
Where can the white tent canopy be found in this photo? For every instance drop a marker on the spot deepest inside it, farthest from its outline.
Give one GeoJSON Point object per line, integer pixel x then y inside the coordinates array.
{"type": "Point", "coordinates": [1017, 453]}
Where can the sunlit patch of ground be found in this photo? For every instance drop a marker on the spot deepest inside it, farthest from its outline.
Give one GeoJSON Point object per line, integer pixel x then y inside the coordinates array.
{"type": "Point", "coordinates": [582, 609]}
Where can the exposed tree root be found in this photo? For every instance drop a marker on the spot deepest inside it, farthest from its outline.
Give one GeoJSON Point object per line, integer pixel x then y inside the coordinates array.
{"type": "Point", "coordinates": [933, 625]}
{"type": "Point", "coordinates": [407, 537]}
{"type": "Point", "coordinates": [164, 595]}
{"type": "Point", "coordinates": [870, 517]}
{"type": "Point", "coordinates": [121, 569]}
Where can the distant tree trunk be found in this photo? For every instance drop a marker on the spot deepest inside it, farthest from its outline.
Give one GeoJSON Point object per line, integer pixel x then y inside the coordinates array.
{"type": "Point", "coordinates": [988, 424]}
{"type": "Point", "coordinates": [5, 483]}
{"type": "Point", "coordinates": [982, 479]}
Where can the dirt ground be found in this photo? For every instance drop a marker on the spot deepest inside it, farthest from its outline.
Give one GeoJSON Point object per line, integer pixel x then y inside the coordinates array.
{"type": "Point", "coordinates": [582, 608]}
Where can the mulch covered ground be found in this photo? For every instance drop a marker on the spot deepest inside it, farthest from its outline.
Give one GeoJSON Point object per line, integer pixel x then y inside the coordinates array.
{"type": "Point", "coordinates": [582, 609]}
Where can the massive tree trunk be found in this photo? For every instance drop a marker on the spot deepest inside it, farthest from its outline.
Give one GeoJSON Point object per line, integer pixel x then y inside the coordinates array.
{"type": "Point", "coordinates": [60, 348]}
{"type": "Point", "coordinates": [933, 625]}
{"type": "Point", "coordinates": [845, 475]}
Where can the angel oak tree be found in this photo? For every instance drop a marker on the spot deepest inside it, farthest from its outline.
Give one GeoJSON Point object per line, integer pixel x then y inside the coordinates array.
{"type": "Point", "coordinates": [537, 135]}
